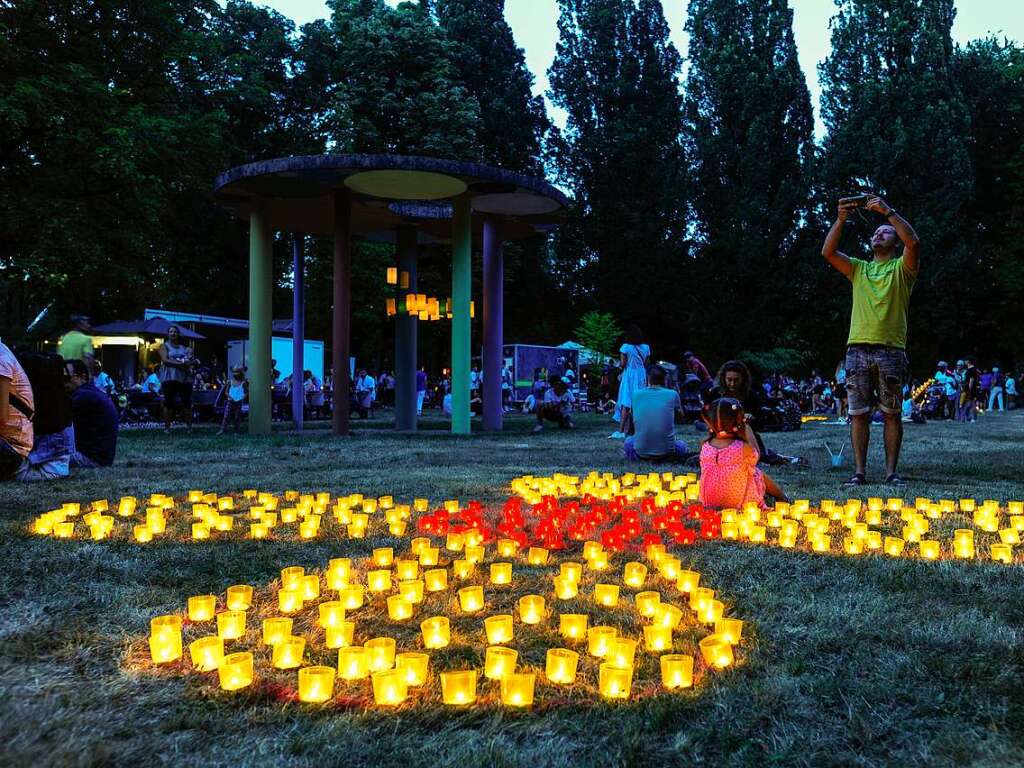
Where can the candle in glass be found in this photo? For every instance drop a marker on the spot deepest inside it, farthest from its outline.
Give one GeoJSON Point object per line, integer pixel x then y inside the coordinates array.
{"type": "Point", "coordinates": [531, 609]}
{"type": "Point", "coordinates": [458, 687]}
{"type": "Point", "coordinates": [621, 652]}
{"type": "Point", "coordinates": [729, 630]}
{"type": "Point", "coordinates": [351, 596]}
{"type": "Point", "coordinates": [471, 599]}
{"type": "Point", "coordinates": [573, 626]}
{"type": "Point", "coordinates": [560, 666]}
{"type": "Point", "coordinates": [634, 575]}
{"type": "Point", "coordinates": [537, 556]}
{"type": "Point", "coordinates": [287, 653]}
{"type": "Point", "coordinates": [498, 629]}
{"type": "Point", "coordinates": [413, 667]}
{"type": "Point", "coordinates": [517, 689]}
{"type": "Point", "coordinates": [390, 687]}
{"type": "Point", "coordinates": [716, 651]}
{"type": "Point", "coordinates": [687, 581]}
{"type": "Point", "coordinates": [599, 640]}
{"type": "Point", "coordinates": [276, 629]}
{"type": "Point", "coordinates": [353, 662]}
{"type": "Point", "coordinates": [341, 635]}
{"type": "Point", "coordinates": [565, 589]}
{"type": "Point", "coordinates": [380, 653]}
{"type": "Point", "coordinates": [499, 661]}
{"type": "Point", "coordinates": [436, 632]}
{"type": "Point", "coordinates": [399, 609]}
{"type": "Point", "coordinates": [316, 684]}
{"type": "Point", "coordinates": [289, 600]}
{"type": "Point", "coordinates": [378, 581]}
{"type": "Point", "coordinates": [501, 573]}
{"type": "Point", "coordinates": [571, 571]}
{"type": "Point", "coordinates": [207, 653]}
{"type": "Point", "coordinates": [606, 595]}
{"type": "Point", "coordinates": [202, 607]}
{"type": "Point", "coordinates": [676, 670]}
{"type": "Point", "coordinates": [436, 579]}
{"type": "Point", "coordinates": [613, 682]}
{"type": "Point", "coordinates": [657, 638]}
{"type": "Point", "coordinates": [647, 603]}
{"type": "Point", "coordinates": [235, 671]}
{"type": "Point", "coordinates": [929, 549]}
{"type": "Point", "coordinates": [231, 625]}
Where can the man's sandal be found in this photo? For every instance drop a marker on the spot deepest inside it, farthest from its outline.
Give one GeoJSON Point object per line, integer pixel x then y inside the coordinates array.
{"type": "Point", "coordinates": [856, 479]}
{"type": "Point", "coordinates": [895, 479]}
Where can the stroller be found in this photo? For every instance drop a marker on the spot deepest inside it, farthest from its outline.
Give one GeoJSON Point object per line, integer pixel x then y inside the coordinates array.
{"type": "Point", "coordinates": [691, 398]}
{"type": "Point", "coordinates": [141, 407]}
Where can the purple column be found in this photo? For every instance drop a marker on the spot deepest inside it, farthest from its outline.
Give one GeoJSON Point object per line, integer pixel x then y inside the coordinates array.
{"type": "Point", "coordinates": [494, 290]}
{"type": "Point", "coordinates": [298, 329]}
{"type": "Point", "coordinates": [340, 321]}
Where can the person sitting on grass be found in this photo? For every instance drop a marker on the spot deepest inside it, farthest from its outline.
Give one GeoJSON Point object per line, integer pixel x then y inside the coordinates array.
{"type": "Point", "coordinates": [729, 477]}
{"type": "Point", "coordinates": [556, 405]}
{"type": "Point", "coordinates": [94, 418]}
{"type": "Point", "coordinates": [654, 411]}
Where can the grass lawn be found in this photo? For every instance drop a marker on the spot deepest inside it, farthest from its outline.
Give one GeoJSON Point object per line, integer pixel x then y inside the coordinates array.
{"type": "Point", "coordinates": [847, 661]}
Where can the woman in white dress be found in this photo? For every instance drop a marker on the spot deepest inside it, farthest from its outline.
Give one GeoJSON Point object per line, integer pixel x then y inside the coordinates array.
{"type": "Point", "coordinates": [635, 356]}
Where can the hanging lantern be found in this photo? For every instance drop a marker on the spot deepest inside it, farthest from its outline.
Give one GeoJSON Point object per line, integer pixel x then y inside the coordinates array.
{"type": "Point", "coordinates": [392, 275]}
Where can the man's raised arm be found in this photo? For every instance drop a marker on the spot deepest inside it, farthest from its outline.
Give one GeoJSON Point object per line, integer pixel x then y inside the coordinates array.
{"type": "Point", "coordinates": [830, 250]}
{"type": "Point", "coordinates": [906, 233]}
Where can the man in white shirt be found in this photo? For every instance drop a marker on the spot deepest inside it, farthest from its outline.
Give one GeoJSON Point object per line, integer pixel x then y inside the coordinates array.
{"type": "Point", "coordinates": [16, 408]}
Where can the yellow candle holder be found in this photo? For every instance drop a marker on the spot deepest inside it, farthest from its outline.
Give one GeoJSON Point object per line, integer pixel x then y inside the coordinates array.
{"type": "Point", "coordinates": [231, 625]}
{"type": "Point", "coordinates": [165, 646]}
{"type": "Point", "coordinates": [341, 635]}
{"type": "Point", "coordinates": [436, 632]}
{"type": "Point", "coordinates": [531, 609]}
{"type": "Point", "coordinates": [667, 615]}
{"type": "Point", "coordinates": [287, 653]}
{"type": "Point", "coordinates": [474, 554]}
{"type": "Point", "coordinates": [688, 581]}
{"type": "Point", "coordinates": [383, 557]}
{"type": "Point", "coordinates": [407, 569]}
{"type": "Point", "coordinates": [599, 640]}
{"type": "Point", "coordinates": [499, 661]}
{"type": "Point", "coordinates": [292, 576]}
{"type": "Point", "coordinates": [316, 684]}
{"type": "Point", "coordinates": [458, 688]}
{"type": "Point", "coordinates": [399, 609]}
{"type": "Point", "coordinates": [462, 569]}
{"type": "Point", "coordinates": [566, 589]}
{"type": "Point", "coordinates": [647, 603]}
{"type": "Point", "coordinates": [429, 556]}
{"type": "Point", "coordinates": [613, 682]}
{"type": "Point", "coordinates": [351, 596]}
{"type": "Point", "coordinates": [142, 533]}
{"type": "Point", "coordinates": [276, 629]}
{"type": "Point", "coordinates": [207, 653]}
{"type": "Point", "coordinates": [717, 653]}
{"type": "Point", "coordinates": [571, 571]}
{"type": "Point", "coordinates": [634, 575]}
{"type": "Point", "coordinates": [711, 611]}
{"type": "Point", "coordinates": [621, 652]}
{"type": "Point", "coordinates": [606, 595]}
{"type": "Point", "coordinates": [436, 580]}
{"type": "Point", "coordinates": [893, 546]}
{"type": "Point", "coordinates": [390, 687]}
{"type": "Point", "coordinates": [676, 671]}
{"type": "Point", "coordinates": [537, 556]}
{"type": "Point", "coordinates": [501, 573]}
{"type": "Point", "coordinates": [517, 689]}
{"type": "Point", "coordinates": [471, 599]}
{"type": "Point", "coordinates": [657, 638]}
{"type": "Point", "coordinates": [498, 629]}
{"type": "Point", "coordinates": [670, 568]}
{"type": "Point", "coordinates": [202, 607]}
{"type": "Point", "coordinates": [573, 626]}
{"type": "Point", "coordinates": [289, 600]}
{"type": "Point", "coordinates": [1002, 553]}
{"type": "Point", "coordinates": [929, 549]}
{"type": "Point", "coordinates": [353, 662]}
{"type": "Point", "coordinates": [200, 532]}
{"type": "Point", "coordinates": [411, 590]}
{"type": "Point", "coordinates": [592, 549]}
{"type": "Point", "coordinates": [380, 653]}
{"type": "Point", "coordinates": [331, 613]}
{"type": "Point", "coordinates": [235, 671]}
{"type": "Point", "coordinates": [560, 666]}
{"type": "Point", "coordinates": [454, 542]}
{"type": "Point", "coordinates": [730, 630]}
{"type": "Point", "coordinates": [507, 547]}
{"type": "Point", "coordinates": [413, 667]}
{"type": "Point", "coordinates": [378, 581]}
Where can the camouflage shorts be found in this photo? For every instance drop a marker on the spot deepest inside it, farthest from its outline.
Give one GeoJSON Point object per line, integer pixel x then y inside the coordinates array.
{"type": "Point", "coordinates": [875, 376]}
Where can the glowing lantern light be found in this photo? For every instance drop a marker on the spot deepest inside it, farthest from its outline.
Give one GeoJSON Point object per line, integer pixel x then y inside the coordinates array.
{"type": "Point", "coordinates": [573, 626]}
{"type": "Point", "coordinates": [353, 662]}
{"type": "Point", "coordinates": [341, 635]}
{"type": "Point", "coordinates": [351, 596]}
{"type": "Point", "coordinates": [599, 640]}
{"type": "Point", "coordinates": [560, 666]}
{"type": "Point", "coordinates": [499, 661]}
{"type": "Point", "coordinates": [292, 576]}
{"type": "Point", "coordinates": [458, 688]}
{"type": "Point", "coordinates": [207, 653]}
{"type": "Point", "coordinates": [613, 682]}
{"type": "Point", "coordinates": [383, 557]}
{"type": "Point", "coordinates": [289, 600]}
{"type": "Point", "coordinates": [436, 579]}
{"type": "Point", "coordinates": [507, 547]}
{"type": "Point", "coordinates": [436, 632]}
{"type": "Point", "coordinates": [622, 652]}
{"type": "Point", "coordinates": [634, 575]}
{"type": "Point", "coordinates": [392, 276]}
{"type": "Point", "coordinates": [380, 653]}
{"type": "Point", "coordinates": [288, 652]}
{"type": "Point", "coordinates": [667, 615]}
{"type": "Point", "coordinates": [231, 625]}
{"type": "Point", "coordinates": [413, 667]}
{"type": "Point", "coordinates": [390, 687]}
{"type": "Point", "coordinates": [378, 581]}
{"type": "Point", "coordinates": [276, 629]}
{"type": "Point", "coordinates": [501, 573]}
{"type": "Point", "coordinates": [235, 671]}
{"type": "Point", "coordinates": [531, 609]}
{"type": "Point", "coordinates": [429, 556]}
{"type": "Point", "coordinates": [202, 607]}
{"type": "Point", "coordinates": [498, 629]}
{"type": "Point", "coordinates": [729, 630]}
{"type": "Point", "coordinates": [399, 609]}
{"type": "Point", "coordinates": [676, 671]}
{"type": "Point", "coordinates": [239, 597]}
{"type": "Point", "coordinates": [537, 556]}
{"type": "Point", "coordinates": [716, 651]}
{"type": "Point", "coordinates": [687, 581]}
{"type": "Point", "coordinates": [565, 589]}
{"type": "Point", "coordinates": [571, 571]}
{"type": "Point", "coordinates": [963, 542]}
{"type": "Point", "coordinates": [929, 549]}
{"type": "Point", "coordinates": [517, 689]}
{"type": "Point", "coordinates": [1002, 553]}
{"type": "Point", "coordinates": [411, 590]}
{"type": "Point", "coordinates": [407, 569]}
{"type": "Point", "coordinates": [316, 684]}
{"type": "Point", "coordinates": [647, 603]}
{"type": "Point", "coordinates": [711, 611]}
{"type": "Point", "coordinates": [165, 643]}
{"type": "Point", "coordinates": [471, 599]}
{"type": "Point", "coordinates": [462, 569]}
{"type": "Point", "coordinates": [606, 595]}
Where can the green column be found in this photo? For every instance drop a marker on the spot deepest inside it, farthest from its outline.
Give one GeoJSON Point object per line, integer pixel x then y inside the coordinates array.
{"type": "Point", "coordinates": [461, 283]}
{"type": "Point", "coordinates": [259, 322]}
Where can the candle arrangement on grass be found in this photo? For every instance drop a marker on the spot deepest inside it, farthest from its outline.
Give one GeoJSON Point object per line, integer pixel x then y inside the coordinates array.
{"type": "Point", "coordinates": [356, 632]}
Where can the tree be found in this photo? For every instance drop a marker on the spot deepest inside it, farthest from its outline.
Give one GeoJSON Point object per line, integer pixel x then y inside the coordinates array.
{"type": "Point", "coordinates": [615, 74]}
{"type": "Point", "coordinates": [492, 68]}
{"type": "Point", "coordinates": [898, 125]}
{"type": "Point", "coordinates": [749, 142]}
{"type": "Point", "coordinates": [599, 332]}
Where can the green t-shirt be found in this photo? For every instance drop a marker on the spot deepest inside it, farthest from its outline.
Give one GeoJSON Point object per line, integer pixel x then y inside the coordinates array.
{"type": "Point", "coordinates": [75, 345]}
{"type": "Point", "coordinates": [881, 296]}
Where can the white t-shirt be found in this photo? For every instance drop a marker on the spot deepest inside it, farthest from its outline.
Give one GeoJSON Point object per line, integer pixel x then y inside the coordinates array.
{"type": "Point", "coordinates": [16, 429]}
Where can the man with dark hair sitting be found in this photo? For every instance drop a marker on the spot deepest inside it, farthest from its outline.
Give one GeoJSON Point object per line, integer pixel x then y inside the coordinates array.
{"type": "Point", "coordinates": [94, 418]}
{"type": "Point", "coordinates": [654, 412]}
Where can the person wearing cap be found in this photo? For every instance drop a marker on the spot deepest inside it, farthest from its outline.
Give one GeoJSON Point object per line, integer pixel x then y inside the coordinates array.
{"type": "Point", "coordinates": [876, 358]}
{"type": "Point", "coordinates": [76, 344]}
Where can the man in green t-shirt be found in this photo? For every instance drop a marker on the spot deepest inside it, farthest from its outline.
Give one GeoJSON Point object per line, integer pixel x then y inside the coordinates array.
{"type": "Point", "coordinates": [76, 344]}
{"type": "Point", "coordinates": [876, 357]}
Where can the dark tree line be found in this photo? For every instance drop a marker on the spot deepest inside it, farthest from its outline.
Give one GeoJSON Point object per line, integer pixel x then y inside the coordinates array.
{"type": "Point", "coordinates": [699, 201]}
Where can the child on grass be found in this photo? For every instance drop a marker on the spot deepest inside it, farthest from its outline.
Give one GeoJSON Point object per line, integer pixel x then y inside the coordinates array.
{"type": "Point", "coordinates": [729, 477]}
{"type": "Point", "coordinates": [556, 406]}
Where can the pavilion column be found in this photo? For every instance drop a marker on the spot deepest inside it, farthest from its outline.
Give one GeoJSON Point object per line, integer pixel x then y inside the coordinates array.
{"type": "Point", "coordinates": [461, 285]}
{"type": "Point", "coordinates": [298, 330]}
{"type": "Point", "coordinates": [494, 288]}
{"type": "Point", "coordinates": [405, 336]}
{"type": "Point", "coordinates": [342, 297]}
{"type": "Point", "coordinates": [260, 293]}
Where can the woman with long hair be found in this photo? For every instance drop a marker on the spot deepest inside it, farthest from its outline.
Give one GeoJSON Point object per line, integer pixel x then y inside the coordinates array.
{"type": "Point", "coordinates": [635, 356]}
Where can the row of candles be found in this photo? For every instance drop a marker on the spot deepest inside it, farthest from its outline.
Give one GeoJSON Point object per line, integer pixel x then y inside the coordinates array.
{"type": "Point", "coordinates": [393, 673]}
